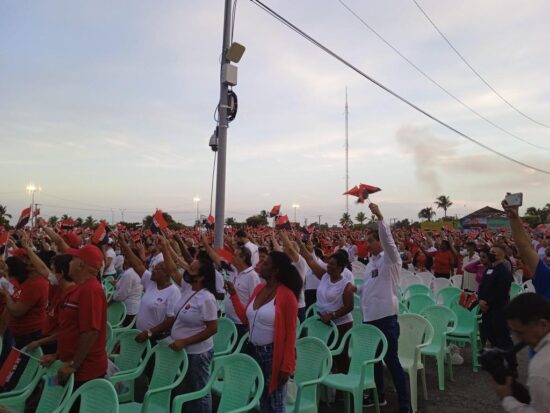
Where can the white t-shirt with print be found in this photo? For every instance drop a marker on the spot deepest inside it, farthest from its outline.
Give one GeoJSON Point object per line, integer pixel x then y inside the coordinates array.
{"type": "Point", "coordinates": [155, 304]}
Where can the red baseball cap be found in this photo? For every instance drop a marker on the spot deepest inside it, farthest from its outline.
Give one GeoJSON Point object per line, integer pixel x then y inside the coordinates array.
{"type": "Point", "coordinates": [90, 254]}
{"type": "Point", "coordinates": [72, 239]}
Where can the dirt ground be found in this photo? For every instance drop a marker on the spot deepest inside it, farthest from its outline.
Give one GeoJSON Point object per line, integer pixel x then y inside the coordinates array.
{"type": "Point", "coordinates": [469, 392]}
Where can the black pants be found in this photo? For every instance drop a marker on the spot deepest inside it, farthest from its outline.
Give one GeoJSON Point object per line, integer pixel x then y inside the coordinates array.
{"type": "Point", "coordinates": [311, 297]}
{"type": "Point", "coordinates": [495, 329]}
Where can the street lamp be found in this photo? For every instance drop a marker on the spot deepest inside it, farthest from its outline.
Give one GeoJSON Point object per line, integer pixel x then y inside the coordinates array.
{"type": "Point", "coordinates": [31, 188]}
{"type": "Point", "coordinates": [197, 200]}
{"type": "Point", "coordinates": [295, 206]}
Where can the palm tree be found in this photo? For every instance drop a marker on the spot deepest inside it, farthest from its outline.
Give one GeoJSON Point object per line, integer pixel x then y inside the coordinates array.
{"type": "Point", "coordinates": [426, 213]}
{"type": "Point", "coordinates": [230, 221]}
{"type": "Point", "coordinates": [4, 216]}
{"type": "Point", "coordinates": [345, 220]}
{"type": "Point", "coordinates": [361, 217]}
{"type": "Point", "coordinates": [64, 217]}
{"type": "Point", "coordinates": [53, 221]}
{"type": "Point", "coordinates": [78, 222]}
{"type": "Point", "coordinates": [89, 222]}
{"type": "Point", "coordinates": [443, 202]}
{"type": "Point", "coordinates": [264, 214]}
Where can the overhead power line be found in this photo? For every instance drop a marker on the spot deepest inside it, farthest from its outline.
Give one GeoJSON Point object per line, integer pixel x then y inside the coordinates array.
{"type": "Point", "coordinates": [526, 116]}
{"type": "Point", "coordinates": [380, 85]}
{"type": "Point", "coordinates": [451, 95]}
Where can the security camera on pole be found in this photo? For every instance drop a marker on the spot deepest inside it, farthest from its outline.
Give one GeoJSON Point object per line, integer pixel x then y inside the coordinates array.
{"type": "Point", "coordinates": [227, 110]}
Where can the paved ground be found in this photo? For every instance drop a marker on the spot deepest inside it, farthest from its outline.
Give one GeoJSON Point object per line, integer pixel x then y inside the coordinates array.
{"type": "Point", "coordinates": [470, 392]}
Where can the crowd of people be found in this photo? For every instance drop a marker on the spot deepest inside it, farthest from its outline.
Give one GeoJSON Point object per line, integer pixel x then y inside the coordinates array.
{"type": "Point", "coordinates": [176, 285]}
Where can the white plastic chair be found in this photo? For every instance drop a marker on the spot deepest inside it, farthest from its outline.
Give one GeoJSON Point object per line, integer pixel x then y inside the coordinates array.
{"type": "Point", "coordinates": [405, 272]}
{"type": "Point", "coordinates": [358, 269]}
{"type": "Point", "coordinates": [456, 281]}
{"type": "Point", "coordinates": [528, 286]}
{"type": "Point", "coordinates": [416, 334]}
{"type": "Point", "coordinates": [426, 277]}
{"type": "Point", "coordinates": [407, 280]}
{"type": "Point", "coordinates": [439, 283]}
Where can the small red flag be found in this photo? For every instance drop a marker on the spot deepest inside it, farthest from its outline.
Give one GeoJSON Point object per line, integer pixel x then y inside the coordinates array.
{"type": "Point", "coordinates": [211, 219]}
{"type": "Point", "coordinates": [283, 222]}
{"type": "Point", "coordinates": [362, 192]}
{"type": "Point", "coordinates": [101, 234]}
{"type": "Point", "coordinates": [23, 218]}
{"type": "Point", "coordinates": [158, 220]}
{"type": "Point", "coordinates": [10, 365]}
{"type": "Point", "coordinates": [226, 255]}
{"type": "Point", "coordinates": [276, 210]}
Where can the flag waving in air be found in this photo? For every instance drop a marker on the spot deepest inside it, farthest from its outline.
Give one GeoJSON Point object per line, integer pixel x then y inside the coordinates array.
{"type": "Point", "coordinates": [283, 222]}
{"type": "Point", "coordinates": [159, 223]}
{"type": "Point", "coordinates": [362, 192]}
{"type": "Point", "coordinates": [275, 211]}
{"type": "Point", "coordinates": [101, 234]}
{"type": "Point", "coordinates": [23, 218]}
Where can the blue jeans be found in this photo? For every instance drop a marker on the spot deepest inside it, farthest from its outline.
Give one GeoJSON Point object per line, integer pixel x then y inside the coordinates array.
{"type": "Point", "coordinates": [390, 328]}
{"type": "Point", "coordinates": [197, 376]}
{"type": "Point", "coordinates": [274, 402]}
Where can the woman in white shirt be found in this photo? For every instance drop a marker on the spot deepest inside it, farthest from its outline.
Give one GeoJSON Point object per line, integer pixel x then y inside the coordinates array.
{"type": "Point", "coordinates": [334, 299]}
{"type": "Point", "coordinates": [129, 289]}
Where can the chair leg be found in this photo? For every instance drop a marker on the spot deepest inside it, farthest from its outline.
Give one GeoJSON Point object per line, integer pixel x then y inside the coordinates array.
{"type": "Point", "coordinates": [473, 344]}
{"type": "Point", "coordinates": [358, 401]}
{"type": "Point", "coordinates": [440, 360]}
{"type": "Point", "coordinates": [414, 396]}
{"type": "Point", "coordinates": [376, 401]}
{"type": "Point", "coordinates": [449, 364]}
{"type": "Point", "coordinates": [346, 402]}
{"type": "Point", "coordinates": [424, 386]}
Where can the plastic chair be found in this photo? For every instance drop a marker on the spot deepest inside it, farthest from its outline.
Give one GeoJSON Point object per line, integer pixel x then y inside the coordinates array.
{"type": "Point", "coordinates": [448, 295]}
{"type": "Point", "coordinates": [426, 277]}
{"type": "Point", "coordinates": [359, 281]}
{"type": "Point", "coordinates": [416, 289]}
{"type": "Point", "coordinates": [27, 381]}
{"type": "Point", "coordinates": [243, 385]}
{"type": "Point", "coordinates": [365, 341]}
{"type": "Point", "coordinates": [528, 286]}
{"type": "Point", "coordinates": [314, 327]}
{"type": "Point", "coordinates": [456, 280]}
{"type": "Point", "coordinates": [515, 290]}
{"type": "Point", "coordinates": [440, 283]}
{"type": "Point", "coordinates": [97, 395]}
{"type": "Point", "coordinates": [170, 369]}
{"type": "Point", "coordinates": [129, 358]}
{"type": "Point", "coordinates": [225, 338]}
{"type": "Point", "coordinates": [467, 330]}
{"type": "Point", "coordinates": [357, 315]}
{"type": "Point", "coordinates": [407, 280]}
{"type": "Point", "coordinates": [443, 321]}
{"type": "Point", "coordinates": [109, 338]}
{"type": "Point", "coordinates": [116, 312]}
{"type": "Point", "coordinates": [416, 333]}
{"type": "Point", "coordinates": [311, 311]}
{"type": "Point", "coordinates": [403, 308]}
{"type": "Point", "coordinates": [313, 364]}
{"type": "Point", "coordinates": [217, 386]}
{"type": "Point", "coordinates": [418, 302]}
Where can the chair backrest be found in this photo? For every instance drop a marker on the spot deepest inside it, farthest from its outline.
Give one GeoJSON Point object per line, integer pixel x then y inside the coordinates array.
{"type": "Point", "coordinates": [131, 353]}
{"type": "Point", "coordinates": [467, 320]}
{"type": "Point", "coordinates": [364, 344]}
{"type": "Point", "coordinates": [528, 286]}
{"type": "Point", "coordinates": [116, 312]}
{"type": "Point", "coordinates": [95, 396]}
{"type": "Point", "coordinates": [456, 280]}
{"type": "Point", "coordinates": [109, 337]}
{"type": "Point", "coordinates": [242, 381]}
{"type": "Point", "coordinates": [415, 331]}
{"type": "Point", "coordinates": [515, 290]}
{"type": "Point", "coordinates": [311, 311]}
{"type": "Point", "coordinates": [314, 327]}
{"type": "Point", "coordinates": [416, 289]}
{"type": "Point", "coordinates": [406, 280]}
{"type": "Point", "coordinates": [313, 362]}
{"type": "Point", "coordinates": [439, 283]}
{"type": "Point", "coordinates": [54, 396]}
{"type": "Point", "coordinates": [32, 371]}
{"type": "Point", "coordinates": [357, 315]}
{"type": "Point", "coordinates": [448, 295]}
{"type": "Point", "coordinates": [426, 277]}
{"type": "Point", "coordinates": [226, 336]}
{"type": "Point", "coordinates": [417, 302]}
{"type": "Point", "coordinates": [443, 321]}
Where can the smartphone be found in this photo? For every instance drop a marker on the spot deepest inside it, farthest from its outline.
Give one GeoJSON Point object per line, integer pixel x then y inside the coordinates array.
{"type": "Point", "coordinates": [514, 200]}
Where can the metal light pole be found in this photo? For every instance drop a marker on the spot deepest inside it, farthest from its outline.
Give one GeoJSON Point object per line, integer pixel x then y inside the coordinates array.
{"type": "Point", "coordinates": [197, 200]}
{"type": "Point", "coordinates": [222, 132]}
{"type": "Point", "coordinates": [32, 189]}
{"type": "Point", "coordinates": [295, 206]}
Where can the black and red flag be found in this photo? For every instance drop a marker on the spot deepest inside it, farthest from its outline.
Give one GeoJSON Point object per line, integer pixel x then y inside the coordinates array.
{"type": "Point", "coordinates": [68, 223]}
{"type": "Point", "coordinates": [362, 192]}
{"type": "Point", "coordinates": [159, 223]}
{"type": "Point", "coordinates": [4, 236]}
{"type": "Point", "coordinates": [101, 234]}
{"type": "Point", "coordinates": [275, 211]}
{"type": "Point", "coordinates": [23, 218]}
{"type": "Point", "coordinates": [283, 222]}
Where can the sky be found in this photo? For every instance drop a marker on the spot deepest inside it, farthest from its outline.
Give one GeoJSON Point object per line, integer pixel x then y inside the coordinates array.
{"type": "Point", "coordinates": [109, 106]}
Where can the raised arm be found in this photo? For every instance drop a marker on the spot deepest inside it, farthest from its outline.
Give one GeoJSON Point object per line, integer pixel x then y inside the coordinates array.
{"type": "Point", "coordinates": [289, 247]}
{"type": "Point", "coordinates": [214, 256]}
{"type": "Point", "coordinates": [311, 261]}
{"type": "Point", "coordinates": [133, 260]}
{"type": "Point", "coordinates": [37, 263]}
{"type": "Point", "coordinates": [391, 252]}
{"type": "Point", "coordinates": [169, 263]}
{"type": "Point", "coordinates": [183, 248]}
{"type": "Point", "coordinates": [528, 254]}
{"type": "Point", "coordinates": [62, 246]}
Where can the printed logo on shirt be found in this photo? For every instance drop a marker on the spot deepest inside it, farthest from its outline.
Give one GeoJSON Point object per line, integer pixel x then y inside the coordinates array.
{"type": "Point", "coordinates": [159, 299]}
{"type": "Point", "coordinates": [374, 273]}
{"type": "Point", "coordinates": [188, 306]}
{"type": "Point", "coordinates": [489, 272]}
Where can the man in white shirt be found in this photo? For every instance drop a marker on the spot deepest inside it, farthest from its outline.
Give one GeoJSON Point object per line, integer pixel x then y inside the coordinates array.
{"type": "Point", "coordinates": [528, 316]}
{"type": "Point", "coordinates": [380, 307]}
{"type": "Point", "coordinates": [242, 240]}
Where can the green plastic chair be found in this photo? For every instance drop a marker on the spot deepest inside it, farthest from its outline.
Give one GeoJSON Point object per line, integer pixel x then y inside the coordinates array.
{"type": "Point", "coordinates": [110, 336]}
{"type": "Point", "coordinates": [414, 289]}
{"type": "Point", "coordinates": [418, 302]}
{"type": "Point", "coordinates": [243, 384]}
{"type": "Point", "coordinates": [311, 311]}
{"type": "Point", "coordinates": [467, 330]}
{"type": "Point", "coordinates": [53, 397]}
{"type": "Point", "coordinates": [416, 333]}
{"type": "Point", "coordinates": [356, 300]}
{"type": "Point", "coordinates": [313, 364]}
{"type": "Point", "coordinates": [27, 381]}
{"type": "Point", "coordinates": [357, 315]}
{"type": "Point", "coordinates": [443, 321]}
{"type": "Point", "coordinates": [170, 369]}
{"type": "Point", "coordinates": [515, 290]}
{"type": "Point", "coordinates": [116, 312]}
{"type": "Point", "coordinates": [225, 338]}
{"type": "Point", "coordinates": [217, 386]}
{"type": "Point", "coordinates": [97, 395]}
{"type": "Point", "coordinates": [129, 358]}
{"type": "Point", "coordinates": [364, 342]}
{"type": "Point", "coordinates": [448, 295]}
{"type": "Point", "coordinates": [403, 308]}
{"type": "Point", "coordinates": [314, 327]}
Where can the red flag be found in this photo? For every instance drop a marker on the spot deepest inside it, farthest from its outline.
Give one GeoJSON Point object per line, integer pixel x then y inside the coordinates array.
{"type": "Point", "coordinates": [159, 222]}
{"type": "Point", "coordinates": [101, 234]}
{"type": "Point", "coordinates": [23, 218]}
{"type": "Point", "coordinates": [362, 192]}
{"type": "Point", "coordinates": [211, 219]}
{"type": "Point", "coordinates": [68, 223]}
{"type": "Point", "coordinates": [276, 210]}
{"type": "Point", "coordinates": [3, 241]}
{"type": "Point", "coordinates": [10, 365]}
{"type": "Point", "coordinates": [226, 255]}
{"type": "Point", "coordinates": [283, 222]}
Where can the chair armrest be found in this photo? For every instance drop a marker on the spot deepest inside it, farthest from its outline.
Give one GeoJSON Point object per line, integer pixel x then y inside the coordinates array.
{"type": "Point", "coordinates": [222, 353]}
{"type": "Point", "coordinates": [309, 383]}
{"type": "Point", "coordinates": [127, 375]}
{"type": "Point", "coordinates": [180, 400]}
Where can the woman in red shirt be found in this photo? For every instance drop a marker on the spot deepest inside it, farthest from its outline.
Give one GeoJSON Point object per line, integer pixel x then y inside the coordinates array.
{"type": "Point", "coordinates": [271, 316]}
{"type": "Point", "coordinates": [443, 260]}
